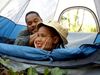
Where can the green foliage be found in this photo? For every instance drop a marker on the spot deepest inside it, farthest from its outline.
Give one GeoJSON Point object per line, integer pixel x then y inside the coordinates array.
{"type": "Point", "coordinates": [76, 22]}
{"type": "Point", "coordinates": [57, 71]}
{"type": "Point", "coordinates": [46, 71]}
{"type": "Point", "coordinates": [11, 72]}
{"type": "Point", "coordinates": [31, 71]}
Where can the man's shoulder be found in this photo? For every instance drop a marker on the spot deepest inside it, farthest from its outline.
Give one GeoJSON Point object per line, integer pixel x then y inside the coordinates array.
{"type": "Point", "coordinates": [24, 32]}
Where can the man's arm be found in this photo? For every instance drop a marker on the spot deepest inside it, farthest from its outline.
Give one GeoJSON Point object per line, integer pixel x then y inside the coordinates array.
{"type": "Point", "coordinates": [31, 41]}
{"type": "Point", "coordinates": [22, 39]}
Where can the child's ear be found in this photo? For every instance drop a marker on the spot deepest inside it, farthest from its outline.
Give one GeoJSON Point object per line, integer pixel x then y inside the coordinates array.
{"type": "Point", "coordinates": [56, 39]}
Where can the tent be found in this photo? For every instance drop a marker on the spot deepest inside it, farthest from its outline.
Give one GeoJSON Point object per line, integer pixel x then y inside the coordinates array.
{"type": "Point", "coordinates": [17, 12]}
{"type": "Point", "coordinates": [43, 7]}
{"type": "Point", "coordinates": [12, 13]}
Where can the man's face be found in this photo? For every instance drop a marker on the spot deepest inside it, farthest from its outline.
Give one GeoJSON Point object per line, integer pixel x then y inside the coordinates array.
{"type": "Point", "coordinates": [44, 39]}
{"type": "Point", "coordinates": [32, 20]}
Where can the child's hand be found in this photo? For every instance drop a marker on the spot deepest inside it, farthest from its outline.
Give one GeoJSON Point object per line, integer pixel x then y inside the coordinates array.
{"type": "Point", "coordinates": [47, 45]}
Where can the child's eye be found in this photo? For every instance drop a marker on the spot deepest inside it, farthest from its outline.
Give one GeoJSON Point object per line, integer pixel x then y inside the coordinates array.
{"type": "Point", "coordinates": [42, 35]}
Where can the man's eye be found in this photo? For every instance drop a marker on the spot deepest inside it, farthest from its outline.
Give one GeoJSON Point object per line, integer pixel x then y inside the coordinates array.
{"type": "Point", "coordinates": [36, 20]}
{"type": "Point", "coordinates": [29, 23]}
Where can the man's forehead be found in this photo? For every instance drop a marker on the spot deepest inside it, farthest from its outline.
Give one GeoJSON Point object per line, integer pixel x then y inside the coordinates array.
{"type": "Point", "coordinates": [32, 15]}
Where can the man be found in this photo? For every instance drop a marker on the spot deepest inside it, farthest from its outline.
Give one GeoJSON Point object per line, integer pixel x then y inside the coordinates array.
{"type": "Point", "coordinates": [32, 19]}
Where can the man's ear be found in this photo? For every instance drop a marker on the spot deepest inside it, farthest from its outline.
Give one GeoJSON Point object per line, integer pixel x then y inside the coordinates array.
{"type": "Point", "coordinates": [56, 39]}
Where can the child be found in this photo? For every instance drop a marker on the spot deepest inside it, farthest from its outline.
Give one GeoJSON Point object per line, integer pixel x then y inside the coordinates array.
{"type": "Point", "coordinates": [50, 36]}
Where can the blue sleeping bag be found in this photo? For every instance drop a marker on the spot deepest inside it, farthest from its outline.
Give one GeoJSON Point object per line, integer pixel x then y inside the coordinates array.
{"type": "Point", "coordinates": [30, 53]}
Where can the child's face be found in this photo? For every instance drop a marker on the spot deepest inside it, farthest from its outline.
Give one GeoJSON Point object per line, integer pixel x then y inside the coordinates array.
{"type": "Point", "coordinates": [32, 20]}
{"type": "Point", "coordinates": [44, 39]}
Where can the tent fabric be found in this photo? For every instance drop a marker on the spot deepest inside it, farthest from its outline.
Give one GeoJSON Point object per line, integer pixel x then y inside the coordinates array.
{"type": "Point", "coordinates": [21, 57]}
{"type": "Point", "coordinates": [30, 53]}
{"type": "Point", "coordinates": [17, 12]}
{"type": "Point", "coordinates": [98, 8]}
{"type": "Point", "coordinates": [6, 26]}
{"type": "Point", "coordinates": [97, 39]}
{"type": "Point", "coordinates": [13, 12]}
{"type": "Point", "coordinates": [86, 38]}
{"type": "Point", "coordinates": [48, 10]}
{"type": "Point", "coordinates": [93, 59]}
{"type": "Point", "coordinates": [9, 29]}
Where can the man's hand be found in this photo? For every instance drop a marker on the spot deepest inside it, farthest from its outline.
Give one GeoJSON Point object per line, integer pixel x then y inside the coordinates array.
{"type": "Point", "coordinates": [32, 37]}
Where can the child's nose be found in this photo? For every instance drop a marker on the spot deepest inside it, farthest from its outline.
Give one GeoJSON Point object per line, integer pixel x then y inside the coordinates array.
{"type": "Point", "coordinates": [39, 38]}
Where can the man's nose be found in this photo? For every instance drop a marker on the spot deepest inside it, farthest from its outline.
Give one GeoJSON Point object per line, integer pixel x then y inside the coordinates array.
{"type": "Point", "coordinates": [33, 25]}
